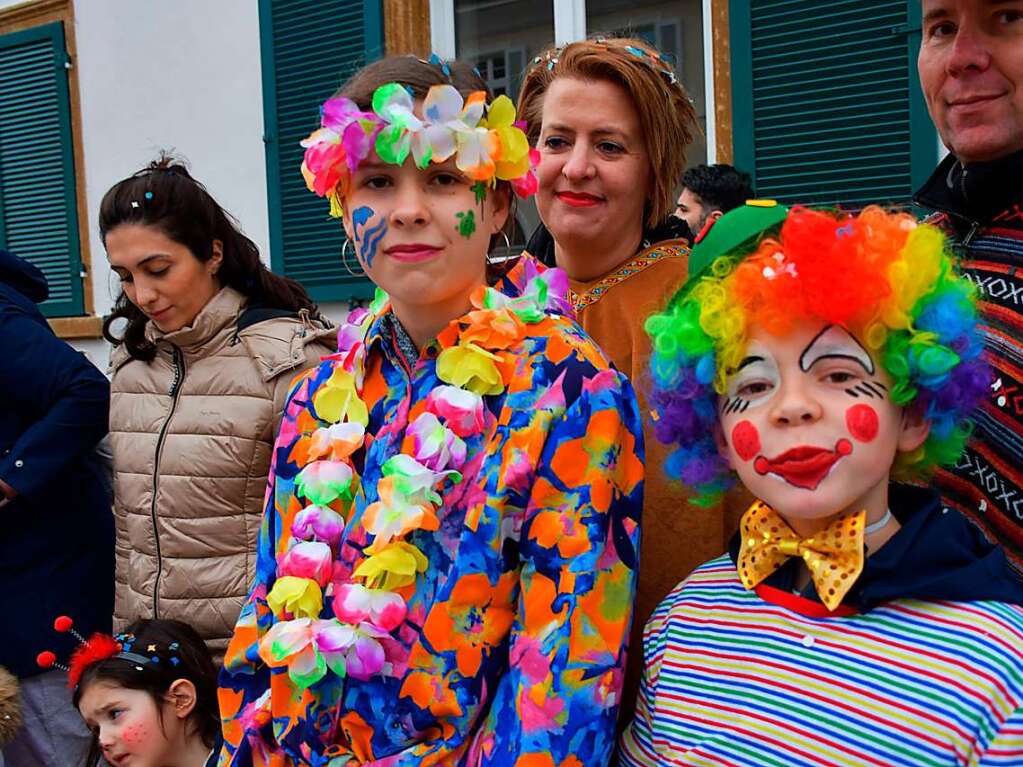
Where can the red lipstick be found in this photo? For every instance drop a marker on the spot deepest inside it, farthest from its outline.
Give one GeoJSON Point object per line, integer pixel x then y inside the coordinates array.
{"type": "Point", "coordinates": [578, 199]}
{"type": "Point", "coordinates": [803, 466]}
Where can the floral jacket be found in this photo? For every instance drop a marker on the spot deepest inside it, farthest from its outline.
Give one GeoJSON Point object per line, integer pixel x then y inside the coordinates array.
{"type": "Point", "coordinates": [512, 648]}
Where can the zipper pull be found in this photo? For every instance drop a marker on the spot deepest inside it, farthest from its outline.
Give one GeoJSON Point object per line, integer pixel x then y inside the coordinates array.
{"type": "Point", "coordinates": [969, 235]}
{"type": "Point", "coordinates": [178, 365]}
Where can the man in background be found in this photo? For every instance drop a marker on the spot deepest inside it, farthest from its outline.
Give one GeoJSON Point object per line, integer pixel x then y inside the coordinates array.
{"type": "Point", "coordinates": [971, 73]}
{"type": "Point", "coordinates": [709, 191]}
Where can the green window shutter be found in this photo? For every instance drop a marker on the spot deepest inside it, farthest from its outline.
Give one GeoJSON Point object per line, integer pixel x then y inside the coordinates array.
{"type": "Point", "coordinates": [38, 206]}
{"type": "Point", "coordinates": [308, 50]}
{"type": "Point", "coordinates": [826, 103]}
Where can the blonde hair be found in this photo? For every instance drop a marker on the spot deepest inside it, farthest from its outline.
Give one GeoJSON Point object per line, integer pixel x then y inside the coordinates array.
{"type": "Point", "coordinates": [665, 112]}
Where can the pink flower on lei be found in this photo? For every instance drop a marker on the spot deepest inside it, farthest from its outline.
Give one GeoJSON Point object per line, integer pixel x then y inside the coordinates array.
{"type": "Point", "coordinates": [436, 447]}
{"type": "Point", "coordinates": [307, 559]}
{"type": "Point", "coordinates": [318, 523]}
{"type": "Point", "coordinates": [461, 410]}
{"type": "Point", "coordinates": [354, 603]}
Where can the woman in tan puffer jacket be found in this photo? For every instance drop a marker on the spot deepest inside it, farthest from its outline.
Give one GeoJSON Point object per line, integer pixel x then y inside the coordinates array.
{"type": "Point", "coordinates": [201, 372]}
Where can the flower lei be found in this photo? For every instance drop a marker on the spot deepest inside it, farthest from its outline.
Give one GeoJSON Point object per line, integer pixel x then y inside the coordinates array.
{"type": "Point", "coordinates": [487, 147]}
{"type": "Point", "coordinates": [370, 604]}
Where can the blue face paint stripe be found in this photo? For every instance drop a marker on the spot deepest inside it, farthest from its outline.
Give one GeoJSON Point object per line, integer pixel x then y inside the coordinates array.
{"type": "Point", "coordinates": [370, 241]}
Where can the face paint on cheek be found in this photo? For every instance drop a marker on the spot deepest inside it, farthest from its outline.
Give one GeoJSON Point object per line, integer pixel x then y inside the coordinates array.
{"type": "Point", "coordinates": [368, 240]}
{"type": "Point", "coordinates": [134, 735]}
{"type": "Point", "coordinates": [862, 422]}
{"type": "Point", "coordinates": [466, 225]}
{"type": "Point", "coordinates": [745, 440]}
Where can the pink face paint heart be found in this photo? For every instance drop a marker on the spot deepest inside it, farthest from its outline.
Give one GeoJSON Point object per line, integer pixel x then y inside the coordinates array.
{"type": "Point", "coordinates": [862, 423]}
{"type": "Point", "coordinates": [745, 440]}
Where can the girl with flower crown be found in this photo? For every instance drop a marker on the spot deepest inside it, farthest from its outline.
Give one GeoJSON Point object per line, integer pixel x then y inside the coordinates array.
{"type": "Point", "coordinates": [447, 560]}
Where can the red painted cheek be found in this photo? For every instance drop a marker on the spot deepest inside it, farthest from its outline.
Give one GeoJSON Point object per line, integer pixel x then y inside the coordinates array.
{"type": "Point", "coordinates": [862, 423]}
{"type": "Point", "coordinates": [745, 440]}
{"type": "Point", "coordinates": [134, 734]}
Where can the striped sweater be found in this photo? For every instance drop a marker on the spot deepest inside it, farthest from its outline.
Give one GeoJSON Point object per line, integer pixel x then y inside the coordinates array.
{"type": "Point", "coordinates": [981, 209]}
{"type": "Point", "coordinates": [736, 677]}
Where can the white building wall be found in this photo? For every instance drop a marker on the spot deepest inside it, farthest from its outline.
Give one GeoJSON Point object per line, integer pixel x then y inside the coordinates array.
{"type": "Point", "coordinates": [184, 76]}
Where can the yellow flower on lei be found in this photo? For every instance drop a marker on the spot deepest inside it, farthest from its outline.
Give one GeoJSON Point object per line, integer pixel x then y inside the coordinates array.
{"type": "Point", "coordinates": [338, 399]}
{"type": "Point", "coordinates": [299, 596]}
{"type": "Point", "coordinates": [469, 367]}
{"type": "Point", "coordinates": [392, 567]}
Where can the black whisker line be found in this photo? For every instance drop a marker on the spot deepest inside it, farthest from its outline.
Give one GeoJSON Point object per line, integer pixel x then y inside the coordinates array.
{"type": "Point", "coordinates": [867, 391]}
{"type": "Point", "coordinates": [877, 387]}
{"type": "Point", "coordinates": [745, 406]}
{"type": "Point", "coordinates": [852, 393]}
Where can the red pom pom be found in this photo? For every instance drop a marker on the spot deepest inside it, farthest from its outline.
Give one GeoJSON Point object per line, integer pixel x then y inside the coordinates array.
{"type": "Point", "coordinates": [63, 624]}
{"type": "Point", "coordinates": [98, 647]}
{"type": "Point", "coordinates": [46, 659]}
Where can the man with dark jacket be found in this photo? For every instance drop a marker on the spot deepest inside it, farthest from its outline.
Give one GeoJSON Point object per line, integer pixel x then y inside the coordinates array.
{"type": "Point", "coordinates": [56, 525]}
{"type": "Point", "coordinates": [971, 72]}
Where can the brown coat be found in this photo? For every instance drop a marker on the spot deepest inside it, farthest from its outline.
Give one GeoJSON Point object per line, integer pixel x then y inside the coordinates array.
{"type": "Point", "coordinates": [192, 435]}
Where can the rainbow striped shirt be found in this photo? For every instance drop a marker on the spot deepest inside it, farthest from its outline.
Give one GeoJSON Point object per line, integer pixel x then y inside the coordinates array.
{"type": "Point", "coordinates": [732, 679]}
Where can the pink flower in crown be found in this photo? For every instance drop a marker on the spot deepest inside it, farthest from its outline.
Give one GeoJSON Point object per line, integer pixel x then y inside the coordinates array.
{"type": "Point", "coordinates": [318, 523]}
{"type": "Point", "coordinates": [354, 128]}
{"type": "Point", "coordinates": [338, 441]}
{"type": "Point", "coordinates": [436, 447]}
{"type": "Point", "coordinates": [528, 184]}
{"type": "Point", "coordinates": [354, 603]}
{"type": "Point", "coordinates": [307, 559]}
{"type": "Point", "coordinates": [325, 481]}
{"type": "Point", "coordinates": [462, 410]}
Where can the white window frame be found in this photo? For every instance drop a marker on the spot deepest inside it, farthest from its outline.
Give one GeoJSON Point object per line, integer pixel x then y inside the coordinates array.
{"type": "Point", "coordinates": [569, 26]}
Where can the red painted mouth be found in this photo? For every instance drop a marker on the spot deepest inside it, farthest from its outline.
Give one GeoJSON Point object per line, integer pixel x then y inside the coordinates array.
{"type": "Point", "coordinates": [803, 466]}
{"type": "Point", "coordinates": [579, 199]}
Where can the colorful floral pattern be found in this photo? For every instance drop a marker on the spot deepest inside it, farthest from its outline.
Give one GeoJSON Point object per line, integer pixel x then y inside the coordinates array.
{"type": "Point", "coordinates": [488, 627]}
{"type": "Point", "coordinates": [487, 142]}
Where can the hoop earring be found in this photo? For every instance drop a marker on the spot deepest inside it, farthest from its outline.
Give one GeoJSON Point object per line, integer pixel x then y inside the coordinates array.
{"type": "Point", "coordinates": [507, 250]}
{"type": "Point", "coordinates": [346, 264]}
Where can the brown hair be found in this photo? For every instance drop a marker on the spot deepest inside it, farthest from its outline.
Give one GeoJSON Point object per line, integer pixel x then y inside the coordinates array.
{"type": "Point", "coordinates": [662, 104]}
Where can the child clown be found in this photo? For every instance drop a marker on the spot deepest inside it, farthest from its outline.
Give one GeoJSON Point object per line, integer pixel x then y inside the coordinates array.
{"type": "Point", "coordinates": [855, 621]}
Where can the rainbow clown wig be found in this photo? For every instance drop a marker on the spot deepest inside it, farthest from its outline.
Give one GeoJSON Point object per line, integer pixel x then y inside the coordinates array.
{"type": "Point", "coordinates": [880, 275]}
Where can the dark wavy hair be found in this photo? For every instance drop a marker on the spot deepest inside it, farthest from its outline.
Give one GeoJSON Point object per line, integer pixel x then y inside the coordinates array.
{"type": "Point", "coordinates": [195, 665]}
{"type": "Point", "coordinates": [163, 195]}
{"type": "Point", "coordinates": [721, 187]}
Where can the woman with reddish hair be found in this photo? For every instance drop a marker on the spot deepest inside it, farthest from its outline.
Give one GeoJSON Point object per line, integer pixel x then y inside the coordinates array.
{"type": "Point", "coordinates": [611, 123]}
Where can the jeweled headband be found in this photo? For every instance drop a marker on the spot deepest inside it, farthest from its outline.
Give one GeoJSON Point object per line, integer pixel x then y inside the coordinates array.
{"type": "Point", "coordinates": [486, 141]}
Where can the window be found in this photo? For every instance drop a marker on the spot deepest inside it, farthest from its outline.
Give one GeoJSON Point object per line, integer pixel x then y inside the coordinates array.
{"type": "Point", "coordinates": [38, 195]}
{"type": "Point", "coordinates": [309, 49]}
{"type": "Point", "coordinates": [826, 104]}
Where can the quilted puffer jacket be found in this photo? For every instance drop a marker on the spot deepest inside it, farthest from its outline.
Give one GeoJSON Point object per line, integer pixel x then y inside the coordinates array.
{"type": "Point", "coordinates": [192, 435]}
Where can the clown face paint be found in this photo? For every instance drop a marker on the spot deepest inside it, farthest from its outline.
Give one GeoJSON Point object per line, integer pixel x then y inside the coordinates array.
{"type": "Point", "coordinates": [129, 727]}
{"type": "Point", "coordinates": [808, 423]}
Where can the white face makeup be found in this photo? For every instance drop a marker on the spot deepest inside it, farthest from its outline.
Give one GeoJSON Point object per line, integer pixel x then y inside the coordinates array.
{"type": "Point", "coordinates": [755, 379]}
{"type": "Point", "coordinates": [808, 425]}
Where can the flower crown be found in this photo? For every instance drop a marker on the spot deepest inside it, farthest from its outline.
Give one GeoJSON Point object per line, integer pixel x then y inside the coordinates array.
{"type": "Point", "coordinates": [486, 141]}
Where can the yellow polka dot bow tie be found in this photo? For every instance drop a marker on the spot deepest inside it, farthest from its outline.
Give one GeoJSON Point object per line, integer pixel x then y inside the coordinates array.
{"type": "Point", "coordinates": [834, 556]}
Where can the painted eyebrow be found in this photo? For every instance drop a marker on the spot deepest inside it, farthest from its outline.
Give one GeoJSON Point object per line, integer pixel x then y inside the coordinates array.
{"type": "Point", "coordinates": [807, 359]}
{"type": "Point", "coordinates": [747, 361]}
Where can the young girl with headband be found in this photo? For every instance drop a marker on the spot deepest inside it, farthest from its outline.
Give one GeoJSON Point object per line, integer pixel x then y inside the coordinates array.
{"type": "Point", "coordinates": [149, 695]}
{"type": "Point", "coordinates": [447, 560]}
